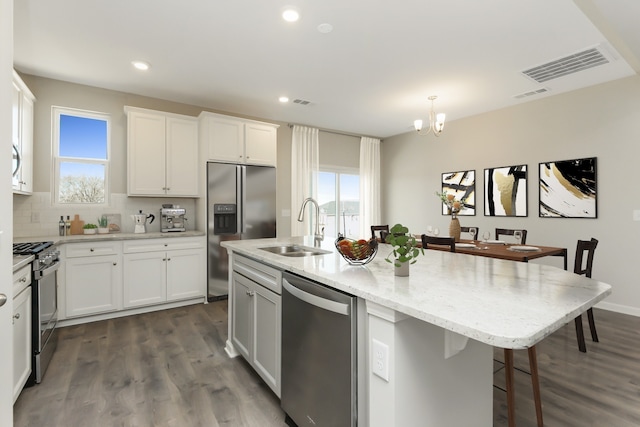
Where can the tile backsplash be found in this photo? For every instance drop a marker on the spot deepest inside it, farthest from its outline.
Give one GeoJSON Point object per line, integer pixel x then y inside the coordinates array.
{"type": "Point", "coordinates": [35, 216]}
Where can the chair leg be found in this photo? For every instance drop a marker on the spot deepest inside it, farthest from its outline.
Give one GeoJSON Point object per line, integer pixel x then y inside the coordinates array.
{"type": "Point", "coordinates": [533, 365]}
{"type": "Point", "coordinates": [592, 325]}
{"type": "Point", "coordinates": [580, 334]}
{"type": "Point", "coordinates": [509, 373]}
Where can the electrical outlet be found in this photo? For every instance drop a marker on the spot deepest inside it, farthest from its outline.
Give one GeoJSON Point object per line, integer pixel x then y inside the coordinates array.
{"type": "Point", "coordinates": [380, 359]}
{"type": "Point", "coordinates": [636, 215]}
{"type": "Point", "coordinates": [35, 217]}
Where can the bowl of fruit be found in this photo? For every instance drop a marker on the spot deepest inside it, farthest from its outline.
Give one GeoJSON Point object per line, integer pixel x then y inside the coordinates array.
{"type": "Point", "coordinates": [357, 252]}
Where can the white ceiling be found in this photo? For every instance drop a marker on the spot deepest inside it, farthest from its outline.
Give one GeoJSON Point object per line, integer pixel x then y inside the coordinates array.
{"type": "Point", "coordinates": [370, 76]}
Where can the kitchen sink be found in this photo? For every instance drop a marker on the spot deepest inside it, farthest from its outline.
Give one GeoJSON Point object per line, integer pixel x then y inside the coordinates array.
{"type": "Point", "coordinates": [295, 250]}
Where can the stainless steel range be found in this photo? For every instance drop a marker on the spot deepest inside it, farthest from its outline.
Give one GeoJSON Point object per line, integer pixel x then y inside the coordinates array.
{"type": "Point", "coordinates": [44, 303]}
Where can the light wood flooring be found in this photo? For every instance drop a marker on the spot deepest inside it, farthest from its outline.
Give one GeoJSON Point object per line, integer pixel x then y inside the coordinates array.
{"type": "Point", "coordinates": [169, 369]}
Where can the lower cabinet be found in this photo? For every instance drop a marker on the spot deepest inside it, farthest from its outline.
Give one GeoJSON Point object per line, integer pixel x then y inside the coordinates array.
{"type": "Point", "coordinates": [21, 338]}
{"type": "Point", "coordinates": [256, 312]}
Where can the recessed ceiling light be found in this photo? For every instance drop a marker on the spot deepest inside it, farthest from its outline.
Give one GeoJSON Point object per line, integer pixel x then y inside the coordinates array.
{"type": "Point", "coordinates": [290, 14]}
{"type": "Point", "coordinates": [141, 65]}
{"type": "Point", "coordinates": [283, 99]}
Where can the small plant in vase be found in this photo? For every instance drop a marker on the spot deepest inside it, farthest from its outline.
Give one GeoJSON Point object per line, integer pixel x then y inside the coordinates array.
{"type": "Point", "coordinates": [103, 225]}
{"type": "Point", "coordinates": [90, 228]}
{"type": "Point", "coordinates": [454, 206]}
{"type": "Point", "coordinates": [405, 249]}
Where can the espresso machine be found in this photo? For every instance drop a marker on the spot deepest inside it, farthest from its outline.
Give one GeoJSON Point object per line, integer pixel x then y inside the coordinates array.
{"type": "Point", "coordinates": [172, 218]}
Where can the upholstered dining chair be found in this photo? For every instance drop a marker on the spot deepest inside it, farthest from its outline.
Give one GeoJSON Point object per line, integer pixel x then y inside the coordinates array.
{"type": "Point", "coordinates": [466, 230]}
{"type": "Point", "coordinates": [509, 232]}
{"type": "Point", "coordinates": [383, 229]}
{"type": "Point", "coordinates": [581, 267]}
{"type": "Point", "coordinates": [441, 241]}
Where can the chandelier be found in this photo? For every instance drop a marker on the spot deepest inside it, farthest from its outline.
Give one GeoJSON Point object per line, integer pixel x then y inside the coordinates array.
{"type": "Point", "coordinates": [436, 121]}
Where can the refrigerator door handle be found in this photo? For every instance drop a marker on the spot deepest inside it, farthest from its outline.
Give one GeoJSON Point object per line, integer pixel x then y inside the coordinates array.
{"type": "Point", "coordinates": [241, 196]}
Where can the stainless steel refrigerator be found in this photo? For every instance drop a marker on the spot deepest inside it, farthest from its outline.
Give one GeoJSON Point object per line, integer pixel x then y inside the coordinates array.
{"type": "Point", "coordinates": [241, 204]}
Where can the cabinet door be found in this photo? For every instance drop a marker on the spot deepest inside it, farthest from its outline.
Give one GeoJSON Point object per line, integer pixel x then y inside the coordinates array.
{"type": "Point", "coordinates": [146, 154]}
{"type": "Point", "coordinates": [26, 145]}
{"type": "Point", "coordinates": [266, 337]}
{"type": "Point", "coordinates": [16, 96]}
{"type": "Point", "coordinates": [185, 278]}
{"type": "Point", "coordinates": [21, 341]}
{"type": "Point", "coordinates": [92, 285]}
{"type": "Point", "coordinates": [182, 157]}
{"type": "Point", "coordinates": [261, 144]}
{"type": "Point", "coordinates": [145, 279]}
{"type": "Point", "coordinates": [242, 326]}
{"type": "Point", "coordinates": [225, 139]}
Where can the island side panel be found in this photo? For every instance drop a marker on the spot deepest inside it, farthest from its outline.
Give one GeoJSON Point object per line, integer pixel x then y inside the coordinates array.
{"type": "Point", "coordinates": [424, 388]}
{"type": "Point", "coordinates": [229, 347]}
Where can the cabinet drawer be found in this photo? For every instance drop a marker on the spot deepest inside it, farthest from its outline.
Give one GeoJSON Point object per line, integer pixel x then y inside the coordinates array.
{"type": "Point", "coordinates": [260, 273]}
{"type": "Point", "coordinates": [153, 245]}
{"type": "Point", "coordinates": [21, 279]}
{"type": "Point", "coordinates": [75, 250]}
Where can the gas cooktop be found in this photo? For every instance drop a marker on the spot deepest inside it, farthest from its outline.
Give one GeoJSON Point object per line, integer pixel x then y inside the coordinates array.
{"type": "Point", "coordinates": [30, 248]}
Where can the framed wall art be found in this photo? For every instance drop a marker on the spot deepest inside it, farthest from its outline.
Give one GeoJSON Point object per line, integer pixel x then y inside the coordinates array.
{"type": "Point", "coordinates": [568, 189]}
{"type": "Point", "coordinates": [505, 191]}
{"type": "Point", "coordinates": [463, 186]}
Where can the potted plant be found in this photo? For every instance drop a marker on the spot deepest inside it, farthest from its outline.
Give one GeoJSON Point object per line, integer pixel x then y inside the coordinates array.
{"type": "Point", "coordinates": [103, 225]}
{"type": "Point", "coordinates": [405, 249]}
{"type": "Point", "coordinates": [90, 228]}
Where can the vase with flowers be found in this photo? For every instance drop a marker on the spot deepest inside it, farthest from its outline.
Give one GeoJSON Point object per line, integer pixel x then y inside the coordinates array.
{"type": "Point", "coordinates": [454, 206]}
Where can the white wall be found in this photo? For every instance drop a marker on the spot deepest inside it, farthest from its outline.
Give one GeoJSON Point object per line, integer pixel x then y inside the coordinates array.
{"type": "Point", "coordinates": [601, 121]}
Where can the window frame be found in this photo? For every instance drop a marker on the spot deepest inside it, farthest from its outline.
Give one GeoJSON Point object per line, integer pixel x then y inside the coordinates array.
{"type": "Point", "coordinates": [56, 112]}
{"type": "Point", "coordinates": [339, 170]}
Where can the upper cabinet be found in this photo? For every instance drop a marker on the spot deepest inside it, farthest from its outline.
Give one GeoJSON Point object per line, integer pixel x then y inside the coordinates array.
{"type": "Point", "coordinates": [162, 154]}
{"type": "Point", "coordinates": [236, 140]}
{"type": "Point", "coordinates": [22, 136]}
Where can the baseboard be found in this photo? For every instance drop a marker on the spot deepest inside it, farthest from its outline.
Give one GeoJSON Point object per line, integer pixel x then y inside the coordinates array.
{"type": "Point", "coordinates": [619, 308]}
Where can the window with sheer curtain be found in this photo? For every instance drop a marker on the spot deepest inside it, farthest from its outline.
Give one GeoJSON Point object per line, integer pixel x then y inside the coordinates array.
{"type": "Point", "coordinates": [339, 199]}
{"type": "Point", "coordinates": [304, 175]}
{"type": "Point", "coordinates": [370, 205]}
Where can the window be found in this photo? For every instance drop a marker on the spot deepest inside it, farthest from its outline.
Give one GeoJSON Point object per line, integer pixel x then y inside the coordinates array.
{"type": "Point", "coordinates": [81, 156]}
{"type": "Point", "coordinates": [339, 199]}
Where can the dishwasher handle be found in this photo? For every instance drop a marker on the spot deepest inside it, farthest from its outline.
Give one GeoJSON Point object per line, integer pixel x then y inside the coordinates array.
{"type": "Point", "coordinates": [320, 302]}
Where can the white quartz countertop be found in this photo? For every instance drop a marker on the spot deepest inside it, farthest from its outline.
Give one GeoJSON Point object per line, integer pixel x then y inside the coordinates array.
{"type": "Point", "coordinates": [58, 240]}
{"type": "Point", "coordinates": [502, 303]}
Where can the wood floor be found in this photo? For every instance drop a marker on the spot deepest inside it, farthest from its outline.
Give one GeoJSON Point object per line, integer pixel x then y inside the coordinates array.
{"type": "Point", "coordinates": [169, 369]}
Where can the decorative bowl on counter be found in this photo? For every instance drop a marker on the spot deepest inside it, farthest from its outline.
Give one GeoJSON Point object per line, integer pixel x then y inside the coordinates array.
{"type": "Point", "coordinates": [357, 252]}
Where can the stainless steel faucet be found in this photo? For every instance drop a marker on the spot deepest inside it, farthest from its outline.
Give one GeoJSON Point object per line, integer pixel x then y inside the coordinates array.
{"type": "Point", "coordinates": [317, 234]}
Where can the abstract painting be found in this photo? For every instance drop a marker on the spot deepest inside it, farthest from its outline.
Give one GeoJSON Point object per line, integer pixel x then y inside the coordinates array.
{"type": "Point", "coordinates": [505, 191]}
{"type": "Point", "coordinates": [463, 186]}
{"type": "Point", "coordinates": [568, 189]}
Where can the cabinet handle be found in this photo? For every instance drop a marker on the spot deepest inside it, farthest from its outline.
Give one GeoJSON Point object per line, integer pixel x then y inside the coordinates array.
{"type": "Point", "coordinates": [168, 259]}
{"type": "Point", "coordinates": [164, 259]}
{"type": "Point", "coordinates": [250, 293]}
{"type": "Point", "coordinates": [115, 263]}
{"type": "Point", "coordinates": [23, 279]}
{"type": "Point", "coordinates": [91, 250]}
{"type": "Point", "coordinates": [16, 316]}
{"type": "Point", "coordinates": [166, 244]}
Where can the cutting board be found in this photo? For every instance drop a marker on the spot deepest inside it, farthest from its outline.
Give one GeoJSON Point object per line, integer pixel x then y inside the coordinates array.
{"type": "Point", "coordinates": [76, 225]}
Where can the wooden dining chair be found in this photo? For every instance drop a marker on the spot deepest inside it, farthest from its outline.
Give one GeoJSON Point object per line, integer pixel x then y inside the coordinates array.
{"type": "Point", "coordinates": [440, 241]}
{"type": "Point", "coordinates": [381, 229]}
{"type": "Point", "coordinates": [509, 232]}
{"type": "Point", "coordinates": [588, 247]}
{"type": "Point", "coordinates": [466, 230]}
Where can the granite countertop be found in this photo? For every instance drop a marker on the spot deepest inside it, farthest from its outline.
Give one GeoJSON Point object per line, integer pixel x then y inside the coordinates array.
{"type": "Point", "coordinates": [502, 303]}
{"type": "Point", "coordinates": [20, 261]}
{"type": "Point", "coordinates": [58, 240]}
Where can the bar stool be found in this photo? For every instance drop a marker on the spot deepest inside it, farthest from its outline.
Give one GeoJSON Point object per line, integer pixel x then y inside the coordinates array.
{"type": "Point", "coordinates": [588, 247]}
{"type": "Point", "coordinates": [509, 232]}
{"type": "Point", "coordinates": [441, 241]}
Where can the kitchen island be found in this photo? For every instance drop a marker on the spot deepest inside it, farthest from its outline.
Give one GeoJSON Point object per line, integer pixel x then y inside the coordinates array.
{"type": "Point", "coordinates": [437, 375]}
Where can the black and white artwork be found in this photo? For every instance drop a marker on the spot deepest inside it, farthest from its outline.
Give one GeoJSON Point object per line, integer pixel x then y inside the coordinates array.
{"type": "Point", "coordinates": [463, 186]}
{"type": "Point", "coordinates": [505, 191]}
{"type": "Point", "coordinates": [568, 189]}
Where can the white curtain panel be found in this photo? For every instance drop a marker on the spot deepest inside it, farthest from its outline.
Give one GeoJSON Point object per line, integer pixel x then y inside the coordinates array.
{"type": "Point", "coordinates": [305, 162]}
{"type": "Point", "coordinates": [369, 185]}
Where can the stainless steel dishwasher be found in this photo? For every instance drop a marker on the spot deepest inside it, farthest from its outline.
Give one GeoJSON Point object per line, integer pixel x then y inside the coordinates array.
{"type": "Point", "coordinates": [319, 354]}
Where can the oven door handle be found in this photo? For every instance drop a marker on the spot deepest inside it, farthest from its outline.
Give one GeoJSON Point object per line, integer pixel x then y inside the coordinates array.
{"type": "Point", "coordinates": [51, 269]}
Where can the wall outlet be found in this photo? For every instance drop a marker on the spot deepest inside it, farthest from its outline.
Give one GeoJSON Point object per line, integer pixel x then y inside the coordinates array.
{"type": "Point", "coordinates": [636, 215]}
{"type": "Point", "coordinates": [380, 359]}
{"type": "Point", "coordinates": [35, 217]}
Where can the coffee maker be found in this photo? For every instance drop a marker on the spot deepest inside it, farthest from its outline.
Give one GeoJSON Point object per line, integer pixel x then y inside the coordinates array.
{"type": "Point", "coordinates": [172, 218]}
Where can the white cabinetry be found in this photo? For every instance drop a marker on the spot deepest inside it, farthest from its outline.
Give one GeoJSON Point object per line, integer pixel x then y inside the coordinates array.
{"type": "Point", "coordinates": [256, 311]}
{"type": "Point", "coordinates": [162, 154]}
{"type": "Point", "coordinates": [163, 270]}
{"type": "Point", "coordinates": [235, 140]}
{"type": "Point", "coordinates": [22, 136]}
{"type": "Point", "coordinates": [21, 329]}
{"type": "Point", "coordinates": [93, 278]}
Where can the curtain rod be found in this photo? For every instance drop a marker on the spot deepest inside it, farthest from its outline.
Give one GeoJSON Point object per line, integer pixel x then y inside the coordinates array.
{"type": "Point", "coordinates": [291, 125]}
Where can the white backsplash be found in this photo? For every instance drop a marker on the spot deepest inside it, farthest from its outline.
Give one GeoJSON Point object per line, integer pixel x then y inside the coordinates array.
{"type": "Point", "coordinates": [35, 216]}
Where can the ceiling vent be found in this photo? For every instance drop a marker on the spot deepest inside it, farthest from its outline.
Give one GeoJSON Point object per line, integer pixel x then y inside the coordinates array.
{"type": "Point", "coordinates": [589, 58]}
{"type": "Point", "coordinates": [532, 93]}
{"type": "Point", "coordinates": [301, 102]}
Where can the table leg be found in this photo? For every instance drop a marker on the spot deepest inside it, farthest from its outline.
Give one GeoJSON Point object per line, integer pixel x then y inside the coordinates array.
{"type": "Point", "coordinates": [511, 403]}
{"type": "Point", "coordinates": [533, 365]}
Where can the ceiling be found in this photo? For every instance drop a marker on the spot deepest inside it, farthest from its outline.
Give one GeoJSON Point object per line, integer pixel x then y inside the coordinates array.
{"type": "Point", "coordinates": [370, 76]}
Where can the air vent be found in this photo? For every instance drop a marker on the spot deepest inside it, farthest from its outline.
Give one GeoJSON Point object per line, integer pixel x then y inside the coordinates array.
{"type": "Point", "coordinates": [532, 93]}
{"type": "Point", "coordinates": [301, 102]}
{"type": "Point", "coordinates": [589, 58]}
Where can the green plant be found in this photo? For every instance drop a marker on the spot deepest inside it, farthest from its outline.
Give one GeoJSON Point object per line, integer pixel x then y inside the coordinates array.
{"type": "Point", "coordinates": [89, 226]}
{"type": "Point", "coordinates": [405, 246]}
{"type": "Point", "coordinates": [102, 222]}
